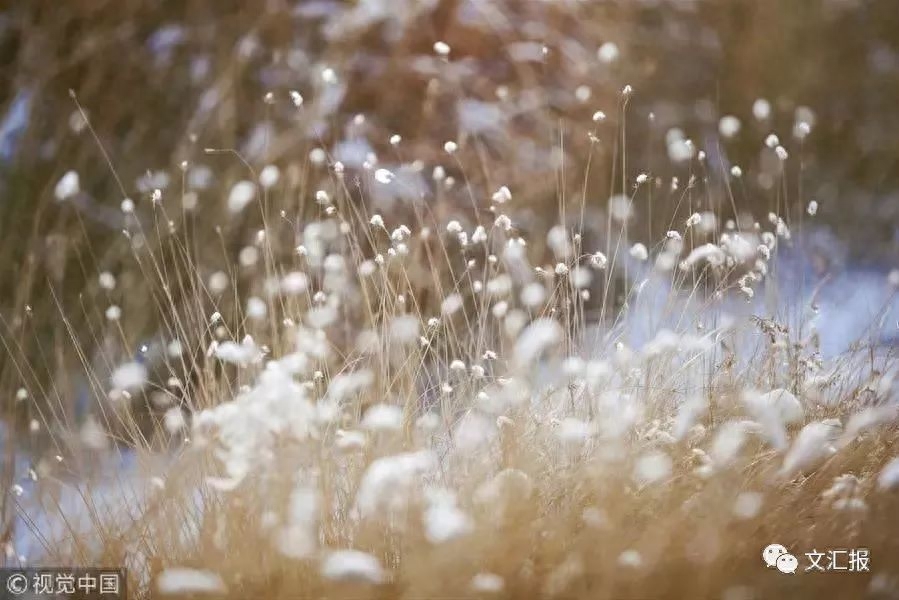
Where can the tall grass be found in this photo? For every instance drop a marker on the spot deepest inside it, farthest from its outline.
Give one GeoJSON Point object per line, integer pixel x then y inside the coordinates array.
{"type": "Point", "coordinates": [413, 376]}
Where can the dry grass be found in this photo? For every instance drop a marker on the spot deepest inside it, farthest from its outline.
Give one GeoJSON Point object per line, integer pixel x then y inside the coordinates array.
{"type": "Point", "coordinates": [482, 391]}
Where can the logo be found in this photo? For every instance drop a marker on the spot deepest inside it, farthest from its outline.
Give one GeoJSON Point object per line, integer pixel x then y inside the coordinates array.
{"type": "Point", "coordinates": [89, 584]}
{"type": "Point", "coordinates": [851, 560]}
{"type": "Point", "coordinates": [17, 584]}
{"type": "Point", "coordinates": [777, 556]}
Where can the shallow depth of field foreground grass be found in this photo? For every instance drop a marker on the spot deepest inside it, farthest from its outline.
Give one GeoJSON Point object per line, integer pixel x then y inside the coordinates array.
{"type": "Point", "coordinates": [430, 409]}
{"type": "Point", "coordinates": [413, 376]}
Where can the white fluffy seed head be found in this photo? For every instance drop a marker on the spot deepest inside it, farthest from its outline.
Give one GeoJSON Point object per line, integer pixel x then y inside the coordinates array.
{"type": "Point", "coordinates": [893, 278]}
{"type": "Point", "coordinates": [729, 126]}
{"type": "Point", "coordinates": [107, 280]}
{"type": "Point", "coordinates": [639, 252]}
{"type": "Point", "coordinates": [487, 583]}
{"type": "Point", "coordinates": [812, 208]}
{"type": "Point", "coordinates": [599, 261]}
{"type": "Point", "coordinates": [889, 475]}
{"type": "Point", "coordinates": [129, 376]}
{"type": "Point", "coordinates": [329, 75]}
{"type": "Point", "coordinates": [801, 130]}
{"type": "Point", "coordinates": [813, 444]}
{"type": "Point", "coordinates": [533, 295]}
{"type": "Point", "coordinates": [748, 505]}
{"type": "Point", "coordinates": [318, 156]}
{"type": "Point", "coordinates": [68, 186]}
{"type": "Point", "coordinates": [621, 207]}
{"type": "Point", "coordinates": [218, 282]}
{"type": "Point", "coordinates": [539, 336]}
{"type": "Point", "coordinates": [502, 195]}
{"type": "Point", "coordinates": [652, 467]}
{"type": "Point", "coordinates": [185, 581]}
{"type": "Point", "coordinates": [693, 220]}
{"type": "Point", "coordinates": [352, 566]}
{"type": "Point", "coordinates": [608, 53]}
{"type": "Point", "coordinates": [630, 559]}
{"type": "Point", "coordinates": [269, 176]}
{"type": "Point", "coordinates": [583, 93]}
{"type": "Point", "coordinates": [257, 309]}
{"type": "Point", "coordinates": [404, 329]}
{"type": "Point", "coordinates": [384, 176]}
{"type": "Point", "coordinates": [383, 417]}
{"type": "Point", "coordinates": [242, 193]}
{"type": "Point", "coordinates": [443, 520]}
{"type": "Point", "coordinates": [294, 283]}
{"type": "Point", "coordinates": [761, 109]}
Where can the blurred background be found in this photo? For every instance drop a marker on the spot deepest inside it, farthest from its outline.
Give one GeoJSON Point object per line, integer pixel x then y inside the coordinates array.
{"type": "Point", "coordinates": [130, 94]}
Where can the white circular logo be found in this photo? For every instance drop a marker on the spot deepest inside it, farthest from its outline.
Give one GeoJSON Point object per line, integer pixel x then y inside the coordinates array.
{"type": "Point", "coordinates": [17, 584]}
{"type": "Point", "coordinates": [771, 553]}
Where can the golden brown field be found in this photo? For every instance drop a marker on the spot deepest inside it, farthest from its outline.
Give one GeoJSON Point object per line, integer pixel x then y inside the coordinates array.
{"type": "Point", "coordinates": [439, 299]}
